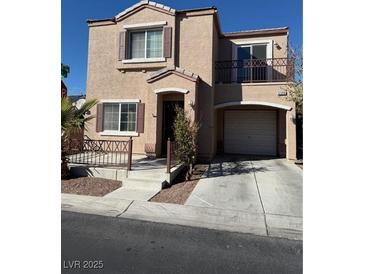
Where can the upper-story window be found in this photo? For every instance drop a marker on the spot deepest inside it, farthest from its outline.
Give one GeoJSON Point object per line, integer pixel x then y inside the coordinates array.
{"type": "Point", "coordinates": [146, 44]}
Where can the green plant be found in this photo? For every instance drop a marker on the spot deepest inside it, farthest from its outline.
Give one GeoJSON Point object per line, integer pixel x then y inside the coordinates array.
{"type": "Point", "coordinates": [72, 119]}
{"type": "Point", "coordinates": [295, 88]}
{"type": "Point", "coordinates": [185, 132]}
{"type": "Point", "coordinates": [65, 70]}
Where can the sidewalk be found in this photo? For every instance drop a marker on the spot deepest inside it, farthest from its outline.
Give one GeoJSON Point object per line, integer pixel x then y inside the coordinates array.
{"type": "Point", "coordinates": [211, 218]}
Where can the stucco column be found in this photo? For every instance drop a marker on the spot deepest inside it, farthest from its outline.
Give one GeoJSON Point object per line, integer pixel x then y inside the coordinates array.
{"type": "Point", "coordinates": [190, 104]}
{"type": "Point", "coordinates": [291, 140]}
{"type": "Point", "coordinates": [151, 122]}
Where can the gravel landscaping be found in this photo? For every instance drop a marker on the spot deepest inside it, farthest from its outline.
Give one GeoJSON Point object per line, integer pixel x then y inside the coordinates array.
{"type": "Point", "coordinates": [179, 192]}
{"type": "Point", "coordinates": [89, 186]}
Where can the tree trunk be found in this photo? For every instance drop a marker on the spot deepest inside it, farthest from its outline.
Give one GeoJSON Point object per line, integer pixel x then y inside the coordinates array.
{"type": "Point", "coordinates": [189, 173]}
{"type": "Point", "coordinates": [65, 172]}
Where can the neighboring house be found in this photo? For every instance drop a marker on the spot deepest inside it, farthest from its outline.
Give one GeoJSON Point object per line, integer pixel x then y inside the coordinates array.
{"type": "Point", "coordinates": [77, 100]}
{"type": "Point", "coordinates": [150, 58]}
{"type": "Point", "coordinates": [63, 89]}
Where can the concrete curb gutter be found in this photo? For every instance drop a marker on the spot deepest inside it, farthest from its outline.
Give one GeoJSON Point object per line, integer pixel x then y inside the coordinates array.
{"type": "Point", "coordinates": [94, 205]}
{"type": "Point", "coordinates": [211, 218]}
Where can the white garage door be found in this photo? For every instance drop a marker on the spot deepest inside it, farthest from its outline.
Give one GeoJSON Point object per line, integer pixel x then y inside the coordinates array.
{"type": "Point", "coordinates": [250, 132]}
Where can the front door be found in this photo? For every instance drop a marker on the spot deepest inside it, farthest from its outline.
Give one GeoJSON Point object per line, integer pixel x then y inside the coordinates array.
{"type": "Point", "coordinates": [169, 114]}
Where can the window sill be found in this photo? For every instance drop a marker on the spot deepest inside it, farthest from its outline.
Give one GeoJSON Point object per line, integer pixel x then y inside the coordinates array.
{"type": "Point", "coordinates": [143, 60]}
{"type": "Point", "coordinates": [252, 84]}
{"type": "Point", "coordinates": [119, 133]}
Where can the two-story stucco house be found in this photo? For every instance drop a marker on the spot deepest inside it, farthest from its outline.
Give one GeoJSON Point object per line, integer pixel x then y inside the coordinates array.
{"type": "Point", "coordinates": [150, 58]}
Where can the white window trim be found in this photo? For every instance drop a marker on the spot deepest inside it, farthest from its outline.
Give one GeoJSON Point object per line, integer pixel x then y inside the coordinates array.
{"type": "Point", "coordinates": [242, 43]}
{"type": "Point", "coordinates": [167, 90]}
{"type": "Point", "coordinates": [117, 132]}
{"type": "Point", "coordinates": [120, 100]}
{"type": "Point", "coordinates": [237, 44]}
{"type": "Point", "coordinates": [145, 59]}
{"type": "Point", "coordinates": [145, 25]}
{"type": "Point", "coordinates": [258, 103]}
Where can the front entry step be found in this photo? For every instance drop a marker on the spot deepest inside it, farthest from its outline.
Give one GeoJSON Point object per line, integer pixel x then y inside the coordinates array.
{"type": "Point", "coordinates": [154, 174]}
{"type": "Point", "coordinates": [141, 189]}
{"type": "Point", "coordinates": [132, 194]}
{"type": "Point", "coordinates": [143, 184]}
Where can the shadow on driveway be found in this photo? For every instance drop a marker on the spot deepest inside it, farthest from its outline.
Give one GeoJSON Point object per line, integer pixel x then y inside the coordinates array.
{"type": "Point", "coordinates": [226, 165]}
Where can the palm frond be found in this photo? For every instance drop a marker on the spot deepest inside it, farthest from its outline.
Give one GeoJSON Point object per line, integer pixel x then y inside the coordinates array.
{"type": "Point", "coordinates": [73, 119]}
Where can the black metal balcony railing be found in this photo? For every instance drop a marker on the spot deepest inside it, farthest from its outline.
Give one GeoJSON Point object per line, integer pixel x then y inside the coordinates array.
{"type": "Point", "coordinates": [254, 70]}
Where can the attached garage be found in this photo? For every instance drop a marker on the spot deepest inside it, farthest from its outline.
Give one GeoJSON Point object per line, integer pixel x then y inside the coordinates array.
{"type": "Point", "coordinates": [250, 132]}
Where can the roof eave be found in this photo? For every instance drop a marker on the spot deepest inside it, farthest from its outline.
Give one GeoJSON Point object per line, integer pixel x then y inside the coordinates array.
{"type": "Point", "coordinates": [197, 9]}
{"type": "Point", "coordinates": [173, 70]}
{"type": "Point", "coordinates": [263, 32]}
{"type": "Point", "coordinates": [145, 4]}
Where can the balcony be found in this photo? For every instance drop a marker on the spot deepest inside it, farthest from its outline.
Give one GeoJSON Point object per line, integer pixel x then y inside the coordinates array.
{"type": "Point", "coordinates": [255, 70]}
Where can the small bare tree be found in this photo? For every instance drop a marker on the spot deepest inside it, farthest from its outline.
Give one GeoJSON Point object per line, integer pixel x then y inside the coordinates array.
{"type": "Point", "coordinates": [185, 132]}
{"type": "Point", "coordinates": [295, 88]}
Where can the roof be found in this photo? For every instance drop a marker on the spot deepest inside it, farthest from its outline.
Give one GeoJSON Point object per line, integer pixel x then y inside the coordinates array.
{"type": "Point", "coordinates": [169, 10]}
{"type": "Point", "coordinates": [172, 70]}
{"type": "Point", "coordinates": [75, 98]}
{"type": "Point", "coordinates": [145, 2]}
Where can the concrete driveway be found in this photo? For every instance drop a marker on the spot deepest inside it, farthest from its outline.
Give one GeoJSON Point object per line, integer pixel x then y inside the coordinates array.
{"type": "Point", "coordinates": [272, 187]}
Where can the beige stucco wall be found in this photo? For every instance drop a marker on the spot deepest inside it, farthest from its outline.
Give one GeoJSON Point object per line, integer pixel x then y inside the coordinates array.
{"type": "Point", "coordinates": [250, 92]}
{"type": "Point", "coordinates": [144, 16]}
{"type": "Point", "coordinates": [108, 78]}
{"type": "Point", "coordinates": [261, 92]}
{"type": "Point", "coordinates": [280, 51]}
{"type": "Point", "coordinates": [265, 93]}
{"type": "Point", "coordinates": [171, 81]}
{"type": "Point", "coordinates": [196, 45]}
{"type": "Point", "coordinates": [216, 50]}
{"type": "Point", "coordinates": [196, 55]}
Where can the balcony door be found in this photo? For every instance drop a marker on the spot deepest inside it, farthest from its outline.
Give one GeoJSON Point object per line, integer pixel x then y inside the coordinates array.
{"type": "Point", "coordinates": [252, 65]}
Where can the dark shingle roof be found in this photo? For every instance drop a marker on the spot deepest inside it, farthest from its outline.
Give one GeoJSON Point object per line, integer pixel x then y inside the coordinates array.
{"type": "Point", "coordinates": [75, 98]}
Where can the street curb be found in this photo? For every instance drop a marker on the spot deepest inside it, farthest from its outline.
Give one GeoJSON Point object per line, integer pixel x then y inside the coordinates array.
{"type": "Point", "coordinates": [289, 227]}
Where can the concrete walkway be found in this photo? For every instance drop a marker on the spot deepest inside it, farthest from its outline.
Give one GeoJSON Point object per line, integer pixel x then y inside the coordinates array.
{"type": "Point", "coordinates": [144, 181]}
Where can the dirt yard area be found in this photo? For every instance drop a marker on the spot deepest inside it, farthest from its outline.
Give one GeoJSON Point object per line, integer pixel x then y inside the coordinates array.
{"type": "Point", "coordinates": [89, 186]}
{"type": "Point", "coordinates": [180, 190]}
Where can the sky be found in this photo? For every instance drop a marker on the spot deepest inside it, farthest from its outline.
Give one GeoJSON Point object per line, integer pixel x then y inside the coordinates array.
{"type": "Point", "coordinates": [234, 15]}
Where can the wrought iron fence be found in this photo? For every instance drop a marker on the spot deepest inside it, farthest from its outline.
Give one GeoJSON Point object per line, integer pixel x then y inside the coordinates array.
{"type": "Point", "coordinates": [255, 70]}
{"type": "Point", "coordinates": [99, 152]}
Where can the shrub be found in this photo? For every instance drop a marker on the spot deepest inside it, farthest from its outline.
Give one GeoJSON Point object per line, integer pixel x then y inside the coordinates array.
{"type": "Point", "coordinates": [185, 132]}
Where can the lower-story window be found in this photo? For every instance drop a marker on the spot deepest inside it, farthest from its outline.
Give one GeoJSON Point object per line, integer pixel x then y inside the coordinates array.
{"type": "Point", "coordinates": [120, 117]}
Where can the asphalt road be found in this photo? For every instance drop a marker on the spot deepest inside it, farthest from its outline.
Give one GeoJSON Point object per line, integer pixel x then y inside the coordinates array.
{"type": "Point", "coordinates": [97, 244]}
